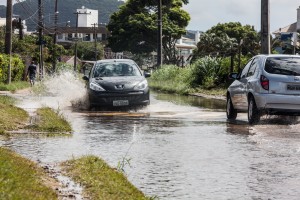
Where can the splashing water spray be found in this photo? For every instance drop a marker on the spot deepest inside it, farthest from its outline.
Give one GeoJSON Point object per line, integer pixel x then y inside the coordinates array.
{"type": "Point", "coordinates": [64, 89]}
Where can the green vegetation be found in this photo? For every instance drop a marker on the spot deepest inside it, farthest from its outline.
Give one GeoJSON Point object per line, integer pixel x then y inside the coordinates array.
{"type": "Point", "coordinates": [203, 75]}
{"type": "Point", "coordinates": [86, 51]}
{"type": "Point", "coordinates": [16, 85]}
{"type": "Point", "coordinates": [100, 180]}
{"type": "Point", "coordinates": [11, 117]}
{"type": "Point", "coordinates": [17, 68]}
{"type": "Point", "coordinates": [134, 27]}
{"type": "Point", "coordinates": [21, 178]}
{"type": "Point", "coordinates": [49, 120]}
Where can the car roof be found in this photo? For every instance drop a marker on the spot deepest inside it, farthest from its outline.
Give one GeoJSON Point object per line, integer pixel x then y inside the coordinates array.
{"type": "Point", "coordinates": [115, 60]}
{"type": "Point", "coordinates": [277, 55]}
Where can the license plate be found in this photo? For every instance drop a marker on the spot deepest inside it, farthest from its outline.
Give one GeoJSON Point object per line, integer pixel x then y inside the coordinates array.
{"type": "Point", "coordinates": [120, 103]}
{"type": "Point", "coordinates": [293, 87]}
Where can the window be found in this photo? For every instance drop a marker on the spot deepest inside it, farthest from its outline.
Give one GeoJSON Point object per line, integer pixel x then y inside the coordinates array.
{"type": "Point", "coordinates": [245, 70]}
{"type": "Point", "coordinates": [283, 65]}
{"type": "Point", "coordinates": [253, 67]}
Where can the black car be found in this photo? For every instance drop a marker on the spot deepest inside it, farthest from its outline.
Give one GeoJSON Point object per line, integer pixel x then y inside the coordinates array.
{"type": "Point", "coordinates": [117, 83]}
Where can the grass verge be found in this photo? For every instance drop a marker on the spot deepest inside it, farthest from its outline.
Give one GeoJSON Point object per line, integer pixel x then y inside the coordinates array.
{"type": "Point", "coordinates": [170, 86]}
{"type": "Point", "coordinates": [100, 180]}
{"type": "Point", "coordinates": [18, 85]}
{"type": "Point", "coordinates": [21, 178]}
{"type": "Point", "coordinates": [49, 120]}
{"type": "Point", "coordinates": [11, 117]}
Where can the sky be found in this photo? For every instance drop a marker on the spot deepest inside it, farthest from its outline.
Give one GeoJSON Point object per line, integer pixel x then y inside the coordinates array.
{"type": "Point", "coordinates": [207, 13]}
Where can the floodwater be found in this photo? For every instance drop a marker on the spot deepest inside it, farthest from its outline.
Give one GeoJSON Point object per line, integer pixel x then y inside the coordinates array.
{"type": "Point", "coordinates": [178, 148]}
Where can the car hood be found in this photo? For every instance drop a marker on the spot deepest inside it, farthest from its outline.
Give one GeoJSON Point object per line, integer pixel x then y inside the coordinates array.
{"type": "Point", "coordinates": [125, 83]}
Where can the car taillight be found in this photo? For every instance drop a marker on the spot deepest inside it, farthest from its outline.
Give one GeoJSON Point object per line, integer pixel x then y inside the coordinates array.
{"type": "Point", "coordinates": [264, 82]}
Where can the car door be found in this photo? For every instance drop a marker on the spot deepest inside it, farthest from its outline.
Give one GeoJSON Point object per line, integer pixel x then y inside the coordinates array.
{"type": "Point", "coordinates": [239, 89]}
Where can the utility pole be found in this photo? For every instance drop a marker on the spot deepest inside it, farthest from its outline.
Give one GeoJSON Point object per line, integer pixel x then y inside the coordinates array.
{"type": "Point", "coordinates": [55, 35]}
{"type": "Point", "coordinates": [41, 41]}
{"type": "Point", "coordinates": [95, 40]}
{"type": "Point", "coordinates": [159, 34]}
{"type": "Point", "coordinates": [76, 38]}
{"type": "Point", "coordinates": [8, 36]}
{"type": "Point", "coordinates": [265, 26]}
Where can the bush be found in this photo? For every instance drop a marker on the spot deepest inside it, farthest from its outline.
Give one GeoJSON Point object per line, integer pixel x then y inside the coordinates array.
{"type": "Point", "coordinates": [17, 68]}
{"type": "Point", "coordinates": [172, 78]}
{"type": "Point", "coordinates": [206, 72]}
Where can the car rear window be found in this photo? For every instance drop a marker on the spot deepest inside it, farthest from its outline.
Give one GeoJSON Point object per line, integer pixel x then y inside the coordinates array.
{"type": "Point", "coordinates": [283, 65]}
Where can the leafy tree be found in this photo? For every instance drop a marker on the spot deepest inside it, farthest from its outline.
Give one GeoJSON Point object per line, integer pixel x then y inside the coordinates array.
{"type": "Point", "coordinates": [245, 36]}
{"type": "Point", "coordinates": [228, 39]}
{"type": "Point", "coordinates": [211, 44]}
{"type": "Point", "coordinates": [86, 51]}
{"type": "Point", "coordinates": [134, 27]}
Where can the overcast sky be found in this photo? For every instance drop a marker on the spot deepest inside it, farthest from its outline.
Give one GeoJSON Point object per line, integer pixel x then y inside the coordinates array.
{"type": "Point", "coordinates": [207, 13]}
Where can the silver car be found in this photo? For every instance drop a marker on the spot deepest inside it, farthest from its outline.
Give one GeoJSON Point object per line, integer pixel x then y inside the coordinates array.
{"type": "Point", "coordinates": [268, 84]}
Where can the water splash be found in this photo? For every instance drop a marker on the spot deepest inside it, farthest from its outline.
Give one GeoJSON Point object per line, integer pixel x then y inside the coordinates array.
{"type": "Point", "coordinates": [64, 89]}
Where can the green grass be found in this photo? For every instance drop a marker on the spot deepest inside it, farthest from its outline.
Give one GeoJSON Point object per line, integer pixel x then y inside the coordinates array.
{"type": "Point", "coordinates": [11, 117]}
{"type": "Point", "coordinates": [49, 120]}
{"type": "Point", "coordinates": [18, 85]}
{"type": "Point", "coordinates": [100, 180]}
{"type": "Point", "coordinates": [21, 178]}
{"type": "Point", "coordinates": [177, 88]}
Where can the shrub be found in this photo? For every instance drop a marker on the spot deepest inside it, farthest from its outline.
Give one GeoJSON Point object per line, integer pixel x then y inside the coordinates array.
{"type": "Point", "coordinates": [206, 71]}
{"type": "Point", "coordinates": [17, 68]}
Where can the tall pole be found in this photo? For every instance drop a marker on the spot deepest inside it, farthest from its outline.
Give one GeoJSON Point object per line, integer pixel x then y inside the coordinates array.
{"type": "Point", "coordinates": [76, 39]}
{"type": "Point", "coordinates": [95, 40]}
{"type": "Point", "coordinates": [159, 34]}
{"type": "Point", "coordinates": [8, 36]}
{"type": "Point", "coordinates": [55, 35]}
{"type": "Point", "coordinates": [265, 26]}
{"type": "Point", "coordinates": [40, 24]}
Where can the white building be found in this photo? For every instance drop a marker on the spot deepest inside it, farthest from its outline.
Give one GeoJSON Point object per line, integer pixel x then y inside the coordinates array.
{"type": "Point", "coordinates": [289, 34]}
{"type": "Point", "coordinates": [88, 29]}
{"type": "Point", "coordinates": [186, 44]}
{"type": "Point", "coordinates": [87, 17]}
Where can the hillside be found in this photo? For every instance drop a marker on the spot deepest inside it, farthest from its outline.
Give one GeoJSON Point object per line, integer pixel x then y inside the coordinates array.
{"type": "Point", "coordinates": [28, 10]}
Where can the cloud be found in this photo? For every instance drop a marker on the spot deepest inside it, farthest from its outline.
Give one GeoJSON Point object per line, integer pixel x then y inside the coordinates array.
{"type": "Point", "coordinates": [207, 13]}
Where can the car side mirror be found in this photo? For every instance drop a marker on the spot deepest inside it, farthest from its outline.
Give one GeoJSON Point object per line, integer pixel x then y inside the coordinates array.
{"type": "Point", "coordinates": [147, 74]}
{"type": "Point", "coordinates": [233, 76]}
{"type": "Point", "coordinates": [85, 78]}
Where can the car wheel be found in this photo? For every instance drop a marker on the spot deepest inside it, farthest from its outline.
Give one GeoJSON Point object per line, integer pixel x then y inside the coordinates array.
{"type": "Point", "coordinates": [253, 111]}
{"type": "Point", "coordinates": [230, 111]}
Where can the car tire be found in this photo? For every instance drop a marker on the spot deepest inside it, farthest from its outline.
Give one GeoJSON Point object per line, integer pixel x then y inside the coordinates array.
{"type": "Point", "coordinates": [231, 113]}
{"type": "Point", "coordinates": [253, 112]}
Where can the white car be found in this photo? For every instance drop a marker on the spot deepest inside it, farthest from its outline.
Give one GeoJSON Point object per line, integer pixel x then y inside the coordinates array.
{"type": "Point", "coordinates": [268, 84]}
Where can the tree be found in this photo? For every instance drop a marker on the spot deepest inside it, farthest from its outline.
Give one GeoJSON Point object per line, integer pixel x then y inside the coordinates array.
{"type": "Point", "coordinates": [245, 36]}
{"type": "Point", "coordinates": [86, 51]}
{"type": "Point", "coordinates": [211, 44]}
{"type": "Point", "coordinates": [134, 27]}
{"type": "Point", "coordinates": [228, 39]}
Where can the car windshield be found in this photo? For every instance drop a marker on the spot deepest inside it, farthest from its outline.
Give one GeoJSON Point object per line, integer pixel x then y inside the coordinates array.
{"type": "Point", "coordinates": [115, 69]}
{"type": "Point", "coordinates": [283, 65]}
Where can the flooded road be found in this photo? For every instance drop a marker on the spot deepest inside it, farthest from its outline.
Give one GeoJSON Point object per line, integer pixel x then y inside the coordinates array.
{"type": "Point", "coordinates": [177, 148]}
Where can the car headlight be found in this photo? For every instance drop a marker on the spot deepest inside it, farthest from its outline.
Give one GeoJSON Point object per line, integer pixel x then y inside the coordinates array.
{"type": "Point", "coordinates": [96, 87]}
{"type": "Point", "coordinates": [142, 85]}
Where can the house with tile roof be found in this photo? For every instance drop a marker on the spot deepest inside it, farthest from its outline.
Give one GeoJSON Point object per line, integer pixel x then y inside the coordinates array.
{"type": "Point", "coordinates": [289, 36]}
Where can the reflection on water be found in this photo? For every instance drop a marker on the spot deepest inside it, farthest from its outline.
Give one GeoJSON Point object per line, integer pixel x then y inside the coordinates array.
{"type": "Point", "coordinates": [178, 151]}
